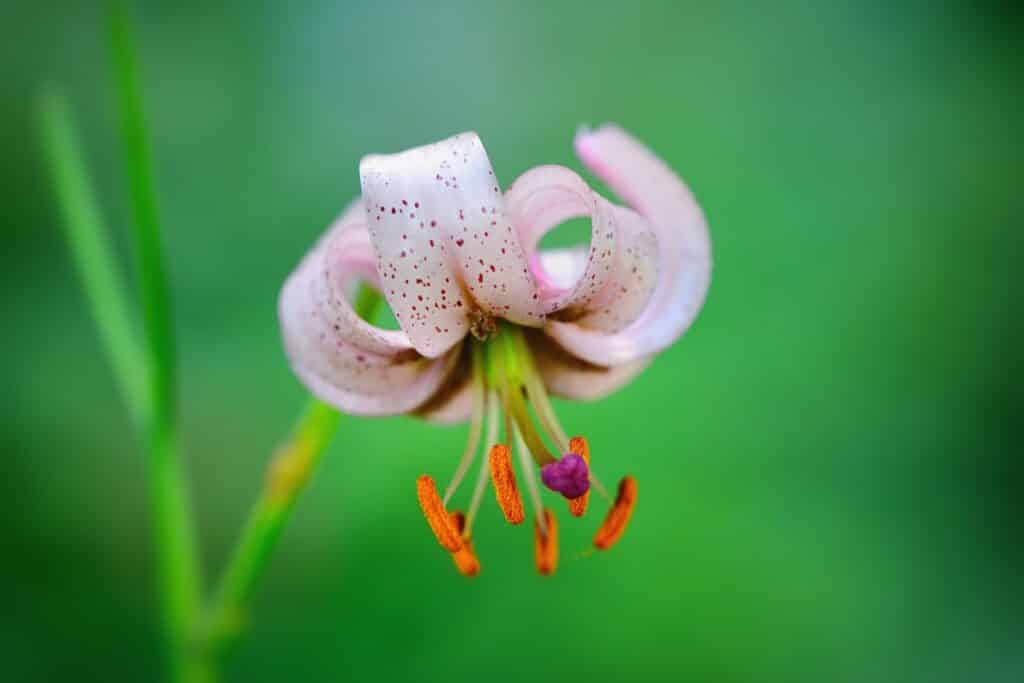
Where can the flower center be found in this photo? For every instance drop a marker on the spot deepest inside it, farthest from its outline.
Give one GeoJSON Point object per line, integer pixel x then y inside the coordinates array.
{"type": "Point", "coordinates": [510, 398]}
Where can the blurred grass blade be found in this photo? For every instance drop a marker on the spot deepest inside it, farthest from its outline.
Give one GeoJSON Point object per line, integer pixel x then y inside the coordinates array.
{"type": "Point", "coordinates": [178, 569]}
{"type": "Point", "coordinates": [91, 250]}
{"type": "Point", "coordinates": [155, 297]}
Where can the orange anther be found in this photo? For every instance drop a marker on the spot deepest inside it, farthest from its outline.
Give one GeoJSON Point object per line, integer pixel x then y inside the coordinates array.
{"type": "Point", "coordinates": [618, 516]}
{"type": "Point", "coordinates": [465, 559]}
{"type": "Point", "coordinates": [545, 546]}
{"type": "Point", "coordinates": [579, 446]}
{"type": "Point", "coordinates": [505, 489]}
{"type": "Point", "coordinates": [437, 517]}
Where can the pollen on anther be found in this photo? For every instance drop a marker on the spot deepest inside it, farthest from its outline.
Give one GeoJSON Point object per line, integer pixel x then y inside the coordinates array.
{"type": "Point", "coordinates": [545, 545]}
{"type": "Point", "coordinates": [505, 489]}
{"type": "Point", "coordinates": [437, 517]}
{"type": "Point", "coordinates": [614, 525]}
{"type": "Point", "coordinates": [579, 446]}
{"type": "Point", "coordinates": [465, 560]}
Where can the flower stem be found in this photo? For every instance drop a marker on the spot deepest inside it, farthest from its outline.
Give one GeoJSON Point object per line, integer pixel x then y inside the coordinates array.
{"type": "Point", "coordinates": [178, 567]}
{"type": "Point", "coordinates": [289, 471]}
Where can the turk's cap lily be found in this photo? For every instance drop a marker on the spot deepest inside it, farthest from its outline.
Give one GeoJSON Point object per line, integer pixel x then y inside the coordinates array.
{"type": "Point", "coordinates": [489, 322]}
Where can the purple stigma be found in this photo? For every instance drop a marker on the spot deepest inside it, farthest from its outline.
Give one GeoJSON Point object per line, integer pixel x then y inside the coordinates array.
{"type": "Point", "coordinates": [568, 476]}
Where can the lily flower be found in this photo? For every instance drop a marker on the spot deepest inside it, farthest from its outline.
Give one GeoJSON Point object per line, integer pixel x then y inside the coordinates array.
{"type": "Point", "coordinates": [490, 324]}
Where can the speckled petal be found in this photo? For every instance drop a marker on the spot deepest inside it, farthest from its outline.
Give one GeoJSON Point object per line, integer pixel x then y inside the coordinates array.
{"type": "Point", "coordinates": [348, 253]}
{"type": "Point", "coordinates": [684, 249]}
{"type": "Point", "coordinates": [569, 377]}
{"type": "Point", "coordinates": [541, 199]}
{"type": "Point", "coordinates": [444, 245]}
{"type": "Point", "coordinates": [343, 360]}
{"type": "Point", "coordinates": [634, 275]}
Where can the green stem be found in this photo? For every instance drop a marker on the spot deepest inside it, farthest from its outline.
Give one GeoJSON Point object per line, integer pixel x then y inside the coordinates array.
{"type": "Point", "coordinates": [292, 467]}
{"type": "Point", "coordinates": [287, 475]}
{"type": "Point", "coordinates": [178, 568]}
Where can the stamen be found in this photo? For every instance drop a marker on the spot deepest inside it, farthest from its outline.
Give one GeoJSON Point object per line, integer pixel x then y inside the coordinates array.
{"type": "Point", "coordinates": [465, 559]}
{"type": "Point", "coordinates": [545, 543]}
{"type": "Point", "coordinates": [437, 516]}
{"type": "Point", "coordinates": [614, 524]}
{"type": "Point", "coordinates": [475, 428]}
{"type": "Point", "coordinates": [505, 489]}
{"type": "Point", "coordinates": [531, 477]}
{"type": "Point", "coordinates": [579, 446]}
{"type": "Point", "coordinates": [482, 478]}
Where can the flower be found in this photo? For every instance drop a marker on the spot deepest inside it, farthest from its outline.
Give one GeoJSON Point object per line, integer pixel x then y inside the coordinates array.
{"type": "Point", "coordinates": [490, 325]}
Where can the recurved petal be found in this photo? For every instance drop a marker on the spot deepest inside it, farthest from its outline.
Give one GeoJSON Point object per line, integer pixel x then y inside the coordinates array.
{"type": "Point", "coordinates": [443, 243]}
{"type": "Point", "coordinates": [343, 360]}
{"type": "Point", "coordinates": [347, 255]}
{"type": "Point", "coordinates": [684, 250]}
{"type": "Point", "coordinates": [569, 377]}
{"type": "Point", "coordinates": [541, 199]}
{"type": "Point", "coordinates": [634, 275]}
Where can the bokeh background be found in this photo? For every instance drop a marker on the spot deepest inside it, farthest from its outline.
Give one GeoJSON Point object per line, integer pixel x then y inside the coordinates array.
{"type": "Point", "coordinates": [829, 461]}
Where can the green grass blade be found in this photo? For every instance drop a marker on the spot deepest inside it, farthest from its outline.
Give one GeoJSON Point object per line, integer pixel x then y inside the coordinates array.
{"type": "Point", "coordinates": [92, 253]}
{"type": "Point", "coordinates": [155, 297]}
{"type": "Point", "coordinates": [177, 557]}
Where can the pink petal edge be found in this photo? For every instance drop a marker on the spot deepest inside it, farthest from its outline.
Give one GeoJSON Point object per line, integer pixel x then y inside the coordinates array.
{"type": "Point", "coordinates": [659, 195]}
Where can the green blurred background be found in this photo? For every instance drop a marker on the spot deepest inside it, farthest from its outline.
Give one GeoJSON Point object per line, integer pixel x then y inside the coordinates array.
{"type": "Point", "coordinates": [828, 462]}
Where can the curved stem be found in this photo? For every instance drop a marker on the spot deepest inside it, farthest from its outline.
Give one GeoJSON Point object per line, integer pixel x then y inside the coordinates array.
{"type": "Point", "coordinates": [287, 475]}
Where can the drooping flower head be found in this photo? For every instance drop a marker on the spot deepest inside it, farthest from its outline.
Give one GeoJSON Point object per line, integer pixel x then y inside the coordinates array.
{"type": "Point", "coordinates": [490, 324]}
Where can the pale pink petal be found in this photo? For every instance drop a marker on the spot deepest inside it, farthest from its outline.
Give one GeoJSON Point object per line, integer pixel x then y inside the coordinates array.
{"type": "Point", "coordinates": [443, 243]}
{"type": "Point", "coordinates": [569, 377]}
{"type": "Point", "coordinates": [633, 278]}
{"type": "Point", "coordinates": [541, 199]}
{"type": "Point", "coordinates": [684, 249]}
{"type": "Point", "coordinates": [343, 360]}
{"type": "Point", "coordinates": [348, 256]}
